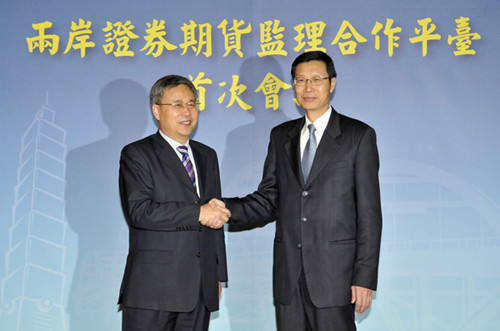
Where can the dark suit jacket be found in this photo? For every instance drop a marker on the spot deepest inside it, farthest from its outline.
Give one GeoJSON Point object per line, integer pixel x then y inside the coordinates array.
{"type": "Point", "coordinates": [329, 226]}
{"type": "Point", "coordinates": [170, 253]}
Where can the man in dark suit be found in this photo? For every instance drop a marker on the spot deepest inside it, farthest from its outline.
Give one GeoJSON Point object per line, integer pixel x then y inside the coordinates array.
{"type": "Point", "coordinates": [175, 263]}
{"type": "Point", "coordinates": [321, 184]}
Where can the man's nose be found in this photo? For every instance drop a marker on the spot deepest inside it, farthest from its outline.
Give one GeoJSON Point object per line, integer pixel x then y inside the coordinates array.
{"type": "Point", "coordinates": [308, 85]}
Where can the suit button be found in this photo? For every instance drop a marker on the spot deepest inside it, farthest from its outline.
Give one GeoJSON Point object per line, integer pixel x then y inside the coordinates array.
{"type": "Point", "coordinates": [304, 219]}
{"type": "Point", "coordinates": [299, 246]}
{"type": "Point", "coordinates": [198, 255]}
{"type": "Point", "coordinates": [305, 194]}
{"type": "Point", "coordinates": [196, 202]}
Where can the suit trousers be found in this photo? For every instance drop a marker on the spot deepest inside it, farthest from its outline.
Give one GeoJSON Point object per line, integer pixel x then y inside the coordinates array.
{"type": "Point", "coordinates": [302, 315]}
{"type": "Point", "coordinates": [136, 319]}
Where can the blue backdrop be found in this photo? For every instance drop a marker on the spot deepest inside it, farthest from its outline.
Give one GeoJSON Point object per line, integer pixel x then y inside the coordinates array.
{"type": "Point", "coordinates": [75, 78]}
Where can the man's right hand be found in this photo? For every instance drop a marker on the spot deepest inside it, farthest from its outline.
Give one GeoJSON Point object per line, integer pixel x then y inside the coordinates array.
{"type": "Point", "coordinates": [214, 214]}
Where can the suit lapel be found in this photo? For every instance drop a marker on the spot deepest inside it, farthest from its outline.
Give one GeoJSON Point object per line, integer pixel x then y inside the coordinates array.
{"type": "Point", "coordinates": [201, 168]}
{"type": "Point", "coordinates": [292, 149]}
{"type": "Point", "coordinates": [169, 158]}
{"type": "Point", "coordinates": [327, 146]}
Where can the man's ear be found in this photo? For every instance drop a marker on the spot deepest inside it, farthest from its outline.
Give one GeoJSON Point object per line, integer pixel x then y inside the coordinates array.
{"type": "Point", "coordinates": [333, 82]}
{"type": "Point", "coordinates": [156, 111]}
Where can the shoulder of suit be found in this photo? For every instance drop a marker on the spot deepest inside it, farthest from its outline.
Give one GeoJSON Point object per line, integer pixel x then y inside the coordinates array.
{"type": "Point", "coordinates": [143, 144]}
{"type": "Point", "coordinates": [347, 123]}
{"type": "Point", "coordinates": [288, 125]}
{"type": "Point", "coordinates": [140, 142]}
{"type": "Point", "coordinates": [200, 146]}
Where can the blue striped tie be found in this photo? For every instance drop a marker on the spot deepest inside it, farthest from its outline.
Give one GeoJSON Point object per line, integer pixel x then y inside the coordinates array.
{"type": "Point", "coordinates": [186, 161]}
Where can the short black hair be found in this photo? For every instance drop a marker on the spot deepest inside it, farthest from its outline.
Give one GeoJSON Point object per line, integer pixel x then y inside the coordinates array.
{"type": "Point", "coordinates": [315, 56]}
{"type": "Point", "coordinates": [156, 93]}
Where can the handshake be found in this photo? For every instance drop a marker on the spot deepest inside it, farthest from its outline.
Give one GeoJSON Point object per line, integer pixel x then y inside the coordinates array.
{"type": "Point", "coordinates": [214, 214]}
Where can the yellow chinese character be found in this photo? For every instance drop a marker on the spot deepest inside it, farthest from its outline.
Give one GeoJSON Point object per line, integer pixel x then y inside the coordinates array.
{"type": "Point", "coordinates": [425, 34]}
{"type": "Point", "coordinates": [197, 82]}
{"type": "Point", "coordinates": [120, 34]}
{"type": "Point", "coordinates": [204, 40]}
{"type": "Point", "coordinates": [349, 46]}
{"type": "Point", "coordinates": [81, 33]}
{"type": "Point", "coordinates": [42, 41]}
{"type": "Point", "coordinates": [232, 40]}
{"type": "Point", "coordinates": [271, 37]}
{"type": "Point", "coordinates": [390, 32]}
{"type": "Point", "coordinates": [235, 90]}
{"type": "Point", "coordinates": [155, 34]}
{"type": "Point", "coordinates": [271, 86]}
{"type": "Point", "coordinates": [463, 38]}
{"type": "Point", "coordinates": [314, 31]}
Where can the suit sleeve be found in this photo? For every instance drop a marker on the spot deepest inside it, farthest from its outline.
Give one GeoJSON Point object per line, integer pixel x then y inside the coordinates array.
{"type": "Point", "coordinates": [139, 205]}
{"type": "Point", "coordinates": [260, 205]}
{"type": "Point", "coordinates": [368, 210]}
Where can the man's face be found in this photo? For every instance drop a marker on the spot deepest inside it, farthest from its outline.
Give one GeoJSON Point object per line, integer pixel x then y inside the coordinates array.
{"type": "Point", "coordinates": [177, 121]}
{"type": "Point", "coordinates": [314, 99]}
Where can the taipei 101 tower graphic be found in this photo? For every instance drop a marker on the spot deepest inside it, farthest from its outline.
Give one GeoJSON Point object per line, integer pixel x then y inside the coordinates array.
{"type": "Point", "coordinates": [32, 289]}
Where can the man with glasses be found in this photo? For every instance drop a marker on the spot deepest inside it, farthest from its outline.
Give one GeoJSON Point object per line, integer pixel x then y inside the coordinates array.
{"type": "Point", "coordinates": [320, 182]}
{"type": "Point", "coordinates": [177, 258]}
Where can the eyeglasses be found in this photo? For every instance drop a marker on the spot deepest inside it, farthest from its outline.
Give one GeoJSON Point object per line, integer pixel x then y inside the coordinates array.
{"type": "Point", "coordinates": [180, 105]}
{"type": "Point", "coordinates": [314, 81]}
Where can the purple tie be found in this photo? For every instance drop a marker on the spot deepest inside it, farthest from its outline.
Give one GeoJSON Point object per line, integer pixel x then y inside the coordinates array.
{"type": "Point", "coordinates": [187, 163]}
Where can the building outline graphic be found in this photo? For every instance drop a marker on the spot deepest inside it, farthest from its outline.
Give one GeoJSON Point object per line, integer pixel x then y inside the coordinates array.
{"type": "Point", "coordinates": [32, 290]}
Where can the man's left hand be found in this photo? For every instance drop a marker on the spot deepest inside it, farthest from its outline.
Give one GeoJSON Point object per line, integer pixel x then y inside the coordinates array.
{"type": "Point", "coordinates": [362, 296]}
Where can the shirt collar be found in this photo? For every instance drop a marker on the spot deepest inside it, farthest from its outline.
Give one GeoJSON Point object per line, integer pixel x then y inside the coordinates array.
{"type": "Point", "coordinates": [320, 123]}
{"type": "Point", "coordinates": [174, 143]}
